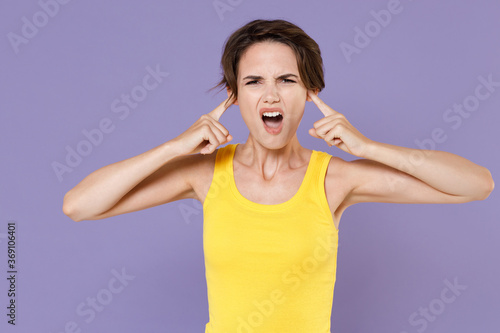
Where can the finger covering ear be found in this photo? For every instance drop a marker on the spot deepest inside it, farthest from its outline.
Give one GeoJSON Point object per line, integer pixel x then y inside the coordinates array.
{"type": "Point", "coordinates": [229, 93]}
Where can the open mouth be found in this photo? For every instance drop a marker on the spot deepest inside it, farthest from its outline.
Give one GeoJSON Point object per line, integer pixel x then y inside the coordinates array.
{"type": "Point", "coordinates": [272, 122]}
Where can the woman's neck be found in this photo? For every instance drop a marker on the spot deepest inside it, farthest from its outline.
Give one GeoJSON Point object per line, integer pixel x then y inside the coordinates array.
{"type": "Point", "coordinates": [268, 162]}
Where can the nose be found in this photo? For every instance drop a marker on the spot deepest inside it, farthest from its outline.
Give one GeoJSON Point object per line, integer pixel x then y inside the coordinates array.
{"type": "Point", "coordinates": [271, 94]}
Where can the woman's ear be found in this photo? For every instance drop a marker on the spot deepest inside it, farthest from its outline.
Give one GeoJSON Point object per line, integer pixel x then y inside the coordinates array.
{"type": "Point", "coordinates": [229, 94]}
{"type": "Point", "coordinates": [315, 91]}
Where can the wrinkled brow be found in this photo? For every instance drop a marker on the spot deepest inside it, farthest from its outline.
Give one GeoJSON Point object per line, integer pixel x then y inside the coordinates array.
{"type": "Point", "coordinates": [257, 77]}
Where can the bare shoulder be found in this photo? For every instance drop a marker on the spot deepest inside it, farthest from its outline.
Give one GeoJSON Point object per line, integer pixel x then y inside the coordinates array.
{"type": "Point", "coordinates": [189, 176]}
{"type": "Point", "coordinates": [346, 179]}
{"type": "Point", "coordinates": [338, 184]}
{"type": "Point", "coordinates": [199, 170]}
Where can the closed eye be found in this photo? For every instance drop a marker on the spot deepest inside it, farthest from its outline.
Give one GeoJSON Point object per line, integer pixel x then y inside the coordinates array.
{"type": "Point", "coordinates": [251, 82]}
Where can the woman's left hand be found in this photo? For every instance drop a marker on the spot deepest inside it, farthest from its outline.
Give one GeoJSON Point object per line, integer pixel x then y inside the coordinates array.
{"type": "Point", "coordinates": [336, 130]}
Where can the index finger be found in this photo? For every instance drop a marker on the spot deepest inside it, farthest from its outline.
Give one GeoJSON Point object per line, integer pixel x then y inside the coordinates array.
{"type": "Point", "coordinates": [325, 109]}
{"type": "Point", "coordinates": [218, 111]}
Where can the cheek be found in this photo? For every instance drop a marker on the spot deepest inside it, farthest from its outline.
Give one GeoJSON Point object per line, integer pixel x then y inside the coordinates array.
{"type": "Point", "coordinates": [297, 94]}
{"type": "Point", "coordinates": [295, 109]}
{"type": "Point", "coordinates": [248, 102]}
{"type": "Point", "coordinates": [247, 108]}
{"type": "Point", "coordinates": [296, 103]}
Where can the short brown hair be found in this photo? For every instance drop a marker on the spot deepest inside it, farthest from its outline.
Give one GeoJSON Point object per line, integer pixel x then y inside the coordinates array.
{"type": "Point", "coordinates": [307, 52]}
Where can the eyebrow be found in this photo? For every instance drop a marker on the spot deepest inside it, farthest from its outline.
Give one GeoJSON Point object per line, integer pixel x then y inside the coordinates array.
{"type": "Point", "coordinates": [257, 77]}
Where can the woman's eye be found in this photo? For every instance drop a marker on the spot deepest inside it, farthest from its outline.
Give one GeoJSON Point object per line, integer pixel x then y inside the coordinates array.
{"type": "Point", "coordinates": [256, 81]}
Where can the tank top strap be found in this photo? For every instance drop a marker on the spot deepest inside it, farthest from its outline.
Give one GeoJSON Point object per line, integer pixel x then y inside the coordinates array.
{"type": "Point", "coordinates": [222, 160]}
{"type": "Point", "coordinates": [223, 171]}
{"type": "Point", "coordinates": [314, 181]}
{"type": "Point", "coordinates": [224, 163]}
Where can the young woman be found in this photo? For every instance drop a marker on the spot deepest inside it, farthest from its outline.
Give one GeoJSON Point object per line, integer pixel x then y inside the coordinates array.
{"type": "Point", "coordinates": [272, 208]}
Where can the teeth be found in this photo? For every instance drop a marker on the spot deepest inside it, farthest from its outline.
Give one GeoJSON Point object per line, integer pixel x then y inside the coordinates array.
{"type": "Point", "coordinates": [271, 114]}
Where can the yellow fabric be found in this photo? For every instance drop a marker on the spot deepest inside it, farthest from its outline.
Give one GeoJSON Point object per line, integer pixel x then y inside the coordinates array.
{"type": "Point", "coordinates": [269, 268]}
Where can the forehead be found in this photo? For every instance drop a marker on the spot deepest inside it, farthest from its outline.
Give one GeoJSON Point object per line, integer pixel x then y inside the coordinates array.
{"type": "Point", "coordinates": [267, 58]}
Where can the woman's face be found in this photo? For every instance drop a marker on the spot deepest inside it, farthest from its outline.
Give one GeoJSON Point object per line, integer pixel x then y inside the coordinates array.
{"type": "Point", "coordinates": [268, 78]}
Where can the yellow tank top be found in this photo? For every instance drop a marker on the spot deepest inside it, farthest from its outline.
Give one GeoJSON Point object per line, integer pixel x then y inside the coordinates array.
{"type": "Point", "coordinates": [269, 268]}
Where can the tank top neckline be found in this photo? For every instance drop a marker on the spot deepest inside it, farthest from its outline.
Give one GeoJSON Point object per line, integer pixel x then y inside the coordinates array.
{"type": "Point", "coordinates": [269, 207]}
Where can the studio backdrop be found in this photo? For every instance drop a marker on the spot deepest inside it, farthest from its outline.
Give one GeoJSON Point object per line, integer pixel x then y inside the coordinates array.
{"type": "Point", "coordinates": [84, 84]}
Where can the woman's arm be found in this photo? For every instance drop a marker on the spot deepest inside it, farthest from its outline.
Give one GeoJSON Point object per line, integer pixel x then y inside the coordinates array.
{"type": "Point", "coordinates": [444, 171]}
{"type": "Point", "coordinates": [104, 188]}
{"type": "Point", "coordinates": [404, 175]}
{"type": "Point", "coordinates": [388, 173]}
{"type": "Point", "coordinates": [160, 175]}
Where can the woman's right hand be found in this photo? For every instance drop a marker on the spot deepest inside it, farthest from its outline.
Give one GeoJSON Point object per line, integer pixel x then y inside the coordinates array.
{"type": "Point", "coordinates": [206, 134]}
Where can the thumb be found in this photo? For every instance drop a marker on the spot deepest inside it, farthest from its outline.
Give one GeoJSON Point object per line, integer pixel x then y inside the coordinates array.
{"type": "Point", "coordinates": [312, 132]}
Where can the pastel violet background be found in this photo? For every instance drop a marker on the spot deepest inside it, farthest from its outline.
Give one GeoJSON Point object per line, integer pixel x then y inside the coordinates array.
{"type": "Point", "coordinates": [395, 262]}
